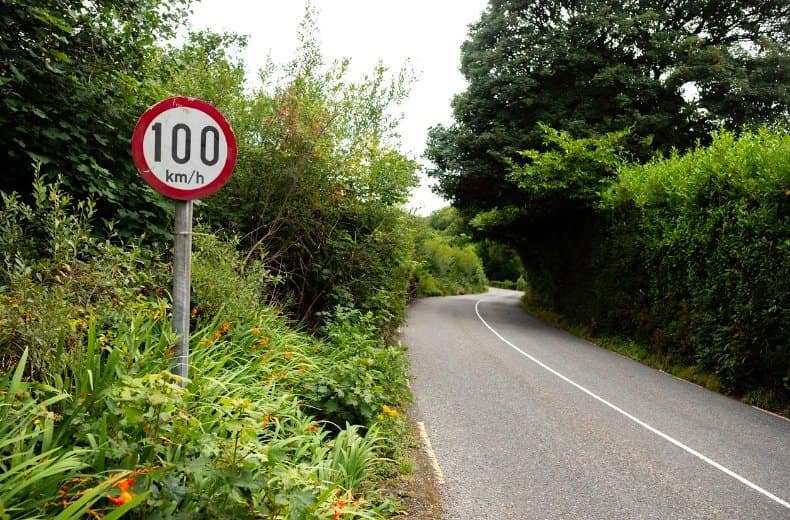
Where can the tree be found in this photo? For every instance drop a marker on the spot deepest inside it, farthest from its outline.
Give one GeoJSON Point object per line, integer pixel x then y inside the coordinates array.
{"type": "Point", "coordinates": [669, 71]}
{"type": "Point", "coordinates": [73, 81]}
{"type": "Point", "coordinates": [318, 185]}
{"type": "Point", "coordinates": [581, 85]}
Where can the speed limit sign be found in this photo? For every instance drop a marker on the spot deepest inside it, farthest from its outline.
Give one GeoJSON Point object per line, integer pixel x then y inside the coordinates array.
{"type": "Point", "coordinates": [184, 148]}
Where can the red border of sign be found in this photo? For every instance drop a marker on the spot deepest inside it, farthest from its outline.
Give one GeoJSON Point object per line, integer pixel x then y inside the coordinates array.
{"type": "Point", "coordinates": [145, 170]}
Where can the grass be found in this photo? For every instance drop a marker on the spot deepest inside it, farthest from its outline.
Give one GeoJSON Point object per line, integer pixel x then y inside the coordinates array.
{"type": "Point", "coordinates": [626, 347]}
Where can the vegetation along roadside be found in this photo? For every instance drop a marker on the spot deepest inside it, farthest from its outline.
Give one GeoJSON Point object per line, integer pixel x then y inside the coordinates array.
{"type": "Point", "coordinates": [295, 404]}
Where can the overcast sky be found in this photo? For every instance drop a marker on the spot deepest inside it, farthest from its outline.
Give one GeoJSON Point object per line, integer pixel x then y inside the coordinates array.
{"type": "Point", "coordinates": [427, 33]}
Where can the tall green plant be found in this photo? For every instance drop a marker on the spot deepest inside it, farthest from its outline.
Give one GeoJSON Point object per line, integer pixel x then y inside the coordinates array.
{"type": "Point", "coordinates": [710, 235]}
{"type": "Point", "coordinates": [316, 191]}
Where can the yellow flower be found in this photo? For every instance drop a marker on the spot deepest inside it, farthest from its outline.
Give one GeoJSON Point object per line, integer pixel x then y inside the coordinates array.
{"type": "Point", "coordinates": [389, 412]}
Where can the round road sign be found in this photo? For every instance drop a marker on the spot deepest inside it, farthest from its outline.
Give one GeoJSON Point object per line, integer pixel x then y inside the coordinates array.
{"type": "Point", "coordinates": [184, 148]}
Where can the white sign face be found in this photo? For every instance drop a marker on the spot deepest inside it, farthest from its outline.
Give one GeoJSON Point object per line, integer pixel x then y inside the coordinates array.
{"type": "Point", "coordinates": [184, 148]}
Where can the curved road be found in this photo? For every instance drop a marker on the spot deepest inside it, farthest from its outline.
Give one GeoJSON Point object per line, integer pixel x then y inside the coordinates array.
{"type": "Point", "coordinates": [528, 422]}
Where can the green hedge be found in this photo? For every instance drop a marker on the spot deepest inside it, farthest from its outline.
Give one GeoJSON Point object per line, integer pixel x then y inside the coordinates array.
{"type": "Point", "coordinates": [445, 269]}
{"type": "Point", "coordinates": [696, 254]}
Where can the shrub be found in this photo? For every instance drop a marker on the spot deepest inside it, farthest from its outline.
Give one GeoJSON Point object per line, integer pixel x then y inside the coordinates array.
{"type": "Point", "coordinates": [446, 269]}
{"type": "Point", "coordinates": [708, 248]}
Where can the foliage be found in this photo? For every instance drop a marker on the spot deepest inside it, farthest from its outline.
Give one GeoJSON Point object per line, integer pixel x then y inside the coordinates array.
{"type": "Point", "coordinates": [447, 263]}
{"type": "Point", "coordinates": [448, 269]}
{"type": "Point", "coordinates": [55, 275]}
{"type": "Point", "coordinates": [501, 264]}
{"type": "Point", "coordinates": [103, 428]}
{"type": "Point", "coordinates": [557, 218]}
{"type": "Point", "coordinates": [669, 73]}
{"type": "Point", "coordinates": [712, 256]}
{"type": "Point", "coordinates": [73, 81]}
{"type": "Point", "coordinates": [317, 190]}
{"type": "Point", "coordinates": [363, 373]}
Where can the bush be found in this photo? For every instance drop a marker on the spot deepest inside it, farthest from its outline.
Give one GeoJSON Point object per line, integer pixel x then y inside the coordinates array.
{"type": "Point", "coordinates": [704, 237]}
{"type": "Point", "coordinates": [446, 269]}
{"type": "Point", "coordinates": [361, 374]}
{"type": "Point", "coordinates": [100, 426]}
{"type": "Point", "coordinates": [54, 276]}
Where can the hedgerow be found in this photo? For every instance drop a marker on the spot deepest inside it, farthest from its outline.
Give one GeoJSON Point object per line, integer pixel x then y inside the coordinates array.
{"type": "Point", "coordinates": [701, 243]}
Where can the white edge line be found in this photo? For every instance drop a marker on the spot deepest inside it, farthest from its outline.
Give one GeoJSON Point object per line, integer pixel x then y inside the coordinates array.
{"type": "Point", "coordinates": [426, 442]}
{"type": "Point", "coordinates": [770, 413]}
{"type": "Point", "coordinates": [632, 418]}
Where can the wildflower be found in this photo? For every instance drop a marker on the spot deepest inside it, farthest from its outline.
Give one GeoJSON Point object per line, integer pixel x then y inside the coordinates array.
{"type": "Point", "coordinates": [265, 422]}
{"type": "Point", "coordinates": [125, 484]}
{"type": "Point", "coordinates": [125, 496]}
{"type": "Point", "coordinates": [225, 327]}
{"type": "Point", "coordinates": [303, 368]}
{"type": "Point", "coordinates": [389, 412]}
{"type": "Point", "coordinates": [288, 356]}
{"type": "Point", "coordinates": [265, 341]}
{"type": "Point", "coordinates": [339, 506]}
{"type": "Point", "coordinates": [121, 499]}
{"type": "Point", "coordinates": [312, 427]}
{"type": "Point", "coordinates": [256, 331]}
{"type": "Point", "coordinates": [217, 335]}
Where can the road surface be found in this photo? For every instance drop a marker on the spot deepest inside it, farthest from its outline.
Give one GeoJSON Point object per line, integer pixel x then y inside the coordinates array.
{"type": "Point", "coordinates": [528, 422]}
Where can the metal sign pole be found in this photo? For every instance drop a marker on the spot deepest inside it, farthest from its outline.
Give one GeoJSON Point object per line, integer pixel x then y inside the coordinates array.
{"type": "Point", "coordinates": [185, 149]}
{"type": "Point", "coordinates": [182, 272]}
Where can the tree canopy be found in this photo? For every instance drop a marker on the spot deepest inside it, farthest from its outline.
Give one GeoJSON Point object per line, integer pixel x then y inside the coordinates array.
{"type": "Point", "coordinates": [74, 78]}
{"type": "Point", "coordinates": [668, 71]}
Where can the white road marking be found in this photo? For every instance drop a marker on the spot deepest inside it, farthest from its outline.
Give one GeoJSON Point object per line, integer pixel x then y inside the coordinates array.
{"type": "Point", "coordinates": [631, 417]}
{"type": "Point", "coordinates": [771, 413]}
{"type": "Point", "coordinates": [426, 442]}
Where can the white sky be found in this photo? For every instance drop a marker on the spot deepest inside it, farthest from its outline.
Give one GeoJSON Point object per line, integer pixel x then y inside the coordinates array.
{"type": "Point", "coordinates": [427, 33]}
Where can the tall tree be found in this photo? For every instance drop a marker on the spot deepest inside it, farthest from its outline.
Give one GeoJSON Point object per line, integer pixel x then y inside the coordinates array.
{"type": "Point", "coordinates": [671, 71]}
{"type": "Point", "coordinates": [73, 81]}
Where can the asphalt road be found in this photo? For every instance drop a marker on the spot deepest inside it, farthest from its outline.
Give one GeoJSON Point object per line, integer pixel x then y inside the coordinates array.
{"type": "Point", "coordinates": [528, 422]}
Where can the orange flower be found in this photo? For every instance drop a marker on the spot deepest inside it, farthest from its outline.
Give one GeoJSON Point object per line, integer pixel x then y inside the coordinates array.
{"type": "Point", "coordinates": [225, 327]}
{"type": "Point", "coordinates": [256, 331]}
{"type": "Point", "coordinates": [121, 499]}
{"type": "Point", "coordinates": [217, 335]}
{"type": "Point", "coordinates": [126, 495]}
{"type": "Point", "coordinates": [312, 427]}
{"type": "Point", "coordinates": [339, 506]}
{"type": "Point", "coordinates": [265, 341]}
{"type": "Point", "coordinates": [125, 484]}
{"type": "Point", "coordinates": [288, 356]}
